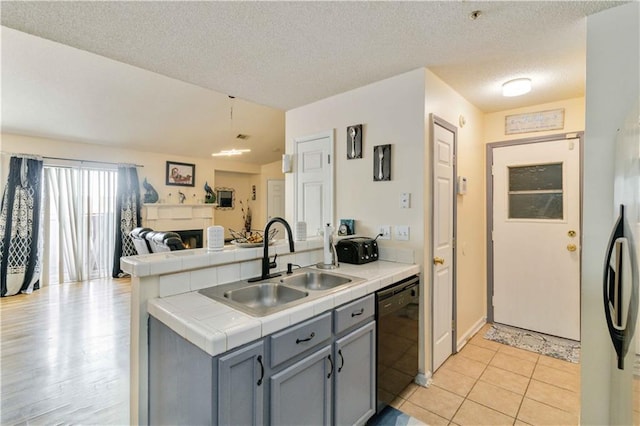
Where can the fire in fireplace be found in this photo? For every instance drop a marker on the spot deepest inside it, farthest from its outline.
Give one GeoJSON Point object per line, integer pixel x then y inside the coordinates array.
{"type": "Point", "coordinates": [191, 238]}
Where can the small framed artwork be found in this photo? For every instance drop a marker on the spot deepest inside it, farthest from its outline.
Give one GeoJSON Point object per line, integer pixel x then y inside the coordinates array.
{"type": "Point", "coordinates": [181, 174]}
{"type": "Point", "coordinates": [354, 141]}
{"type": "Point", "coordinates": [382, 162]}
{"type": "Point", "coordinates": [347, 227]}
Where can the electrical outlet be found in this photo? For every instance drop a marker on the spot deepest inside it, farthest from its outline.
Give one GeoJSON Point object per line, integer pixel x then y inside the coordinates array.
{"type": "Point", "coordinates": [402, 232]}
{"type": "Point", "coordinates": [385, 230]}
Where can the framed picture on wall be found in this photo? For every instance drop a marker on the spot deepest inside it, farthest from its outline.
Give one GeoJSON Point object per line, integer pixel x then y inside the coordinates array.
{"type": "Point", "coordinates": [181, 174]}
{"type": "Point", "coordinates": [382, 162]}
{"type": "Point", "coordinates": [354, 141]}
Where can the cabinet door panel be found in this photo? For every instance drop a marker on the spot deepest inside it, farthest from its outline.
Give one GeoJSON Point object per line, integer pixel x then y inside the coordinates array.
{"type": "Point", "coordinates": [301, 394]}
{"type": "Point", "coordinates": [355, 355]}
{"type": "Point", "coordinates": [240, 397]}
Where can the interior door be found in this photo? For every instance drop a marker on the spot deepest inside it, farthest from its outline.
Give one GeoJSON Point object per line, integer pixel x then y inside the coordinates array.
{"type": "Point", "coordinates": [314, 181]}
{"type": "Point", "coordinates": [443, 226]}
{"type": "Point", "coordinates": [536, 224]}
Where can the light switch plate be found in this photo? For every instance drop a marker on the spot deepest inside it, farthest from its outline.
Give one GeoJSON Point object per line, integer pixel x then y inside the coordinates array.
{"type": "Point", "coordinates": [402, 232]}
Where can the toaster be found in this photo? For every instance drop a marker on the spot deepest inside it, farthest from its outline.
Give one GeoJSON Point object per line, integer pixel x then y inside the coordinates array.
{"type": "Point", "coordinates": [357, 250]}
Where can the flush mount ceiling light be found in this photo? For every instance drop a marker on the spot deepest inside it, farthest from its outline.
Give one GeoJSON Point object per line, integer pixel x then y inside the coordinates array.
{"type": "Point", "coordinates": [516, 87]}
{"type": "Point", "coordinates": [230, 152]}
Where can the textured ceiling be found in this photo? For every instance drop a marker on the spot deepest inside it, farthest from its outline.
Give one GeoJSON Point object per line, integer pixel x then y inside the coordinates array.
{"type": "Point", "coordinates": [287, 54]}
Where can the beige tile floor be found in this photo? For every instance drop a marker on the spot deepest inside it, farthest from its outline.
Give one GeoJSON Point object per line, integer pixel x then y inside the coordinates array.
{"type": "Point", "coordinates": [488, 383]}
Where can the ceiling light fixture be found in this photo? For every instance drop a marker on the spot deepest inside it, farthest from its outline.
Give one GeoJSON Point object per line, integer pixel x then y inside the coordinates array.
{"type": "Point", "coordinates": [230, 152]}
{"type": "Point", "coordinates": [516, 87]}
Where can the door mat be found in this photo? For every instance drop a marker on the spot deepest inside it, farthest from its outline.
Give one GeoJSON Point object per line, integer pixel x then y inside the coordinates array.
{"type": "Point", "coordinates": [389, 416]}
{"type": "Point", "coordinates": [556, 347]}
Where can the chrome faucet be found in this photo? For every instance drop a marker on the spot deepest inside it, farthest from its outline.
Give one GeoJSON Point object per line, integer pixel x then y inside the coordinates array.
{"type": "Point", "coordinates": [266, 264]}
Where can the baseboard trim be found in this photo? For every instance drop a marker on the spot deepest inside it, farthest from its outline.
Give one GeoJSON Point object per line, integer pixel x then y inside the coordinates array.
{"type": "Point", "coordinates": [462, 341]}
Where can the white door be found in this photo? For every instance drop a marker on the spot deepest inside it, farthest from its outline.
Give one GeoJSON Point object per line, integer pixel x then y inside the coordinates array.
{"type": "Point", "coordinates": [275, 204]}
{"type": "Point", "coordinates": [314, 181]}
{"type": "Point", "coordinates": [536, 224]}
{"type": "Point", "coordinates": [443, 249]}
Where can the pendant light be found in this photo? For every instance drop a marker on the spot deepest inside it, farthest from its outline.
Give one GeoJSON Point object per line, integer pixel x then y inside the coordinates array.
{"type": "Point", "coordinates": [232, 151]}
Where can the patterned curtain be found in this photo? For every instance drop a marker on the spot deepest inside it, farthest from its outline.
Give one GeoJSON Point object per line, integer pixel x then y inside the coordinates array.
{"type": "Point", "coordinates": [20, 247]}
{"type": "Point", "coordinates": [128, 215]}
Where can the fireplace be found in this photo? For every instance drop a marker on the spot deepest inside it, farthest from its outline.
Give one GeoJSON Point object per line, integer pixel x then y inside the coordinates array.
{"type": "Point", "coordinates": [191, 238]}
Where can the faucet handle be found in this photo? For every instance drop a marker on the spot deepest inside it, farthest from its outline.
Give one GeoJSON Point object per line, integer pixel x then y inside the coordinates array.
{"type": "Point", "coordinates": [273, 263]}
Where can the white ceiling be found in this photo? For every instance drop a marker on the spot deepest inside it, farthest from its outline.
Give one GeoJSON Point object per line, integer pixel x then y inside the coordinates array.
{"type": "Point", "coordinates": [279, 54]}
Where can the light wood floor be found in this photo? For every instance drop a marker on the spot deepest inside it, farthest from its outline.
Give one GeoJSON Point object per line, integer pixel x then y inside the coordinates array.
{"type": "Point", "coordinates": [64, 354]}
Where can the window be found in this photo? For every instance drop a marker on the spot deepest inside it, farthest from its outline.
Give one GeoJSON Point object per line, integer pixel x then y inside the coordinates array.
{"type": "Point", "coordinates": [536, 192]}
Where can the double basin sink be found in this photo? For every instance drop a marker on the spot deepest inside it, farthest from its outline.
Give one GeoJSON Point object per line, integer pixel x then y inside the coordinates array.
{"type": "Point", "coordinates": [278, 293]}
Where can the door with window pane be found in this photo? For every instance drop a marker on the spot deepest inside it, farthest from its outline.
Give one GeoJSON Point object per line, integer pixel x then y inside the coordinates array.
{"type": "Point", "coordinates": [536, 224]}
{"type": "Point", "coordinates": [79, 223]}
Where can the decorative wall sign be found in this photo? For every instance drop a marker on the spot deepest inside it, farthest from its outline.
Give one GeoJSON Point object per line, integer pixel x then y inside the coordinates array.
{"type": "Point", "coordinates": [181, 174]}
{"type": "Point", "coordinates": [354, 141]}
{"type": "Point", "coordinates": [382, 162]}
{"type": "Point", "coordinates": [534, 122]}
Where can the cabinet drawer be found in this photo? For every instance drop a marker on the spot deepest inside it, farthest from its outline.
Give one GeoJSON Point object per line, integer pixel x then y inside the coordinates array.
{"type": "Point", "coordinates": [354, 313]}
{"type": "Point", "coordinates": [295, 340]}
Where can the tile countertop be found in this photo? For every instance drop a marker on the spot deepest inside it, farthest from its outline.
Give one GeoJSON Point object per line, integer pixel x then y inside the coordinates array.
{"type": "Point", "coordinates": [216, 328]}
{"type": "Point", "coordinates": [176, 261]}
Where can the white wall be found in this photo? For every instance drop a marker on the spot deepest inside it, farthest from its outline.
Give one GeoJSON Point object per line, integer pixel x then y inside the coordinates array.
{"type": "Point", "coordinates": [613, 89]}
{"type": "Point", "coordinates": [391, 112]}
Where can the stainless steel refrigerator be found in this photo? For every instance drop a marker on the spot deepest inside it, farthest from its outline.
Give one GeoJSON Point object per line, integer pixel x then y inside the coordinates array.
{"type": "Point", "coordinates": [620, 274]}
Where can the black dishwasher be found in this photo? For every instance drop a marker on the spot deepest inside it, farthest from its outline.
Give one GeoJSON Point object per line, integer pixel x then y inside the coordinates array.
{"type": "Point", "coordinates": [397, 317]}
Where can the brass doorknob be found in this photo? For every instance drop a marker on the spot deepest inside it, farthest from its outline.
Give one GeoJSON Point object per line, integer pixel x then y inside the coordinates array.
{"type": "Point", "coordinates": [572, 247]}
{"type": "Point", "coordinates": [438, 261]}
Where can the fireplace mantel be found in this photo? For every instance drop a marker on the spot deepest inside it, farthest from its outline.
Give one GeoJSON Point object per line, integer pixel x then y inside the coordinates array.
{"type": "Point", "coordinates": [178, 217]}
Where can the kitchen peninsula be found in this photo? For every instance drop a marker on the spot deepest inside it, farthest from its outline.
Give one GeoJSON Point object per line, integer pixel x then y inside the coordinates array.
{"type": "Point", "coordinates": [165, 286]}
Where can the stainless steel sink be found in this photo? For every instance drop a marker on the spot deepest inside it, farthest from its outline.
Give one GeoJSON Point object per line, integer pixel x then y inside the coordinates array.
{"type": "Point", "coordinates": [278, 293]}
{"type": "Point", "coordinates": [314, 280]}
{"type": "Point", "coordinates": [265, 295]}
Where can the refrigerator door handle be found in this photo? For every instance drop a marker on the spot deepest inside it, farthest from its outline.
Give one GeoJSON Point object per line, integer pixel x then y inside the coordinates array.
{"type": "Point", "coordinates": [620, 252]}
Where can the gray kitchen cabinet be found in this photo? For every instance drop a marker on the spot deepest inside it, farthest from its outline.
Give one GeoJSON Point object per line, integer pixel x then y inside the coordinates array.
{"type": "Point", "coordinates": [181, 378]}
{"type": "Point", "coordinates": [355, 376]}
{"type": "Point", "coordinates": [301, 393]}
{"type": "Point", "coordinates": [241, 386]}
{"type": "Point", "coordinates": [318, 372]}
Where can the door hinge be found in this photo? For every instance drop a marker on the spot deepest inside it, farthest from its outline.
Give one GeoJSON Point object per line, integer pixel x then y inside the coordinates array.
{"type": "Point", "coordinates": [453, 325]}
{"type": "Point", "coordinates": [453, 243]}
{"type": "Point", "coordinates": [493, 170]}
{"type": "Point", "coordinates": [329, 159]}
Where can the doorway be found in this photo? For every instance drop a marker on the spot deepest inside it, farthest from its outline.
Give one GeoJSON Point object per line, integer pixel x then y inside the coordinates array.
{"type": "Point", "coordinates": [80, 223]}
{"type": "Point", "coordinates": [533, 229]}
{"type": "Point", "coordinates": [443, 153]}
{"type": "Point", "coordinates": [314, 181]}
